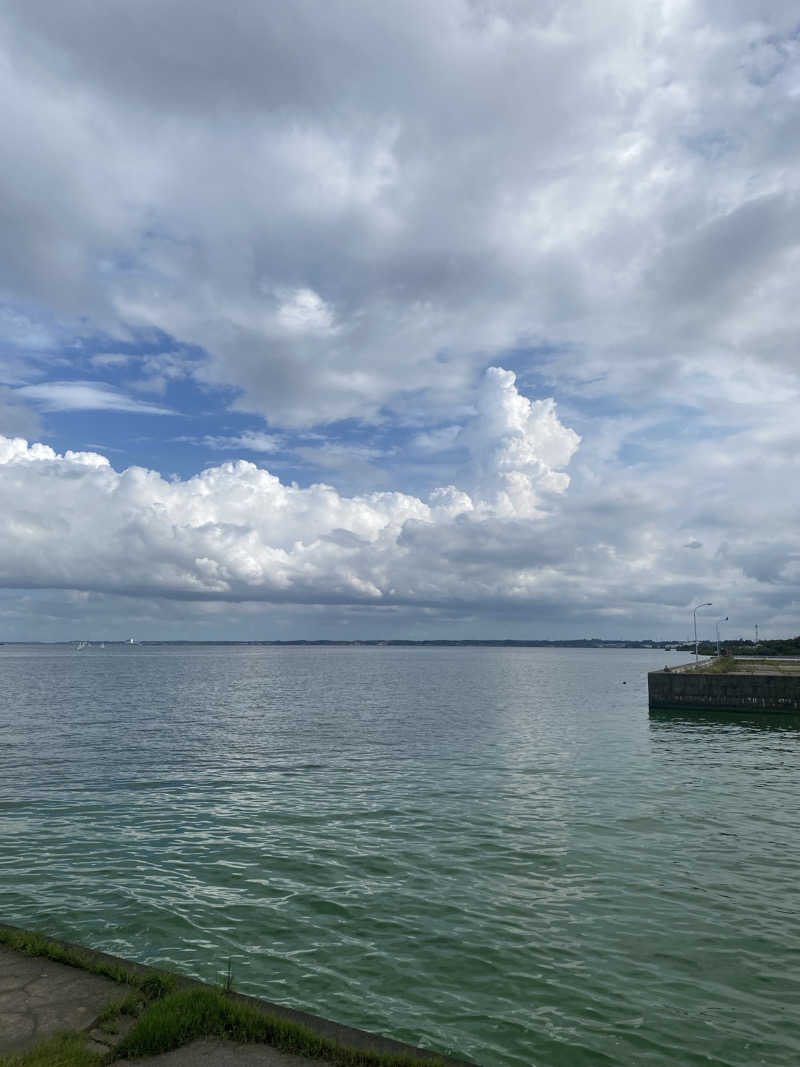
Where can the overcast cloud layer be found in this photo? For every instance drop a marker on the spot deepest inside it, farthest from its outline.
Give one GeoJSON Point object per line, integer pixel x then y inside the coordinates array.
{"type": "Point", "coordinates": [314, 234]}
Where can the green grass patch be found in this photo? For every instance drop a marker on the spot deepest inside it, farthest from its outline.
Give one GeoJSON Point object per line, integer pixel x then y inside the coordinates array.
{"type": "Point", "coordinates": [189, 1014]}
{"type": "Point", "coordinates": [67, 1049]}
{"type": "Point", "coordinates": [33, 944]}
{"type": "Point", "coordinates": [719, 665]}
{"type": "Point", "coordinates": [132, 1005]}
{"type": "Point", "coordinates": [152, 984]}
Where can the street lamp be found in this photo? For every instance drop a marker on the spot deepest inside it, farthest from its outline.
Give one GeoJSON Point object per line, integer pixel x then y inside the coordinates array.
{"type": "Point", "coordinates": [718, 622]}
{"type": "Point", "coordinates": [694, 613]}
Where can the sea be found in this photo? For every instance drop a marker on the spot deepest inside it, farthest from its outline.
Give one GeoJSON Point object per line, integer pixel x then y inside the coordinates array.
{"type": "Point", "coordinates": [496, 853]}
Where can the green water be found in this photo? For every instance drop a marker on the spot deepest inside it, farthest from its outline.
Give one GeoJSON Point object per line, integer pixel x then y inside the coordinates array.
{"type": "Point", "coordinates": [491, 852]}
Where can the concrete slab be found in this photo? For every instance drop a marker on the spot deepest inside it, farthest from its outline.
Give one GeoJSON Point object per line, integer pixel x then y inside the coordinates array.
{"type": "Point", "coordinates": [38, 997]}
{"type": "Point", "coordinates": [213, 1053]}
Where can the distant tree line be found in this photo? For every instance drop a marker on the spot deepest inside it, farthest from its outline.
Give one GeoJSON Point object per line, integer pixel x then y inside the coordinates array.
{"type": "Point", "coordinates": [784, 646]}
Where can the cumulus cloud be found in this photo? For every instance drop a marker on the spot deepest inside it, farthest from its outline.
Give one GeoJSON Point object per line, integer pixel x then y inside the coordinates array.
{"type": "Point", "coordinates": [513, 542]}
{"type": "Point", "coordinates": [235, 531]}
{"type": "Point", "coordinates": [518, 446]}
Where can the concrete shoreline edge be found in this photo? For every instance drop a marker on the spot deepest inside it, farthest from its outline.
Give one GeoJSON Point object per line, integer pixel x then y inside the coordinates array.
{"type": "Point", "coordinates": [763, 691]}
{"type": "Point", "coordinates": [347, 1036]}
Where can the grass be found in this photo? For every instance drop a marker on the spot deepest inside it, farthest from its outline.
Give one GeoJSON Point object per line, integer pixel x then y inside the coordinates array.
{"type": "Point", "coordinates": [773, 666]}
{"type": "Point", "coordinates": [66, 1049]}
{"type": "Point", "coordinates": [733, 665]}
{"type": "Point", "coordinates": [169, 1016]}
{"type": "Point", "coordinates": [719, 665]}
{"type": "Point", "coordinates": [133, 1004]}
{"type": "Point", "coordinates": [188, 1014]}
{"type": "Point", "coordinates": [33, 944]}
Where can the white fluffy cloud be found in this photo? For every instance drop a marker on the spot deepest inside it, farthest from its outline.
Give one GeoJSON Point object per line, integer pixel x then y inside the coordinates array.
{"type": "Point", "coordinates": [235, 531]}
{"type": "Point", "coordinates": [518, 447]}
{"type": "Point", "coordinates": [513, 542]}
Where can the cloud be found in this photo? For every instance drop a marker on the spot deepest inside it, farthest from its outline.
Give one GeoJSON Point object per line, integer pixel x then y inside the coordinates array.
{"type": "Point", "coordinates": [349, 214]}
{"type": "Point", "coordinates": [355, 212]}
{"type": "Point", "coordinates": [17, 418]}
{"type": "Point", "coordinates": [85, 396]}
{"type": "Point", "coordinates": [302, 311]}
{"type": "Point", "coordinates": [512, 544]}
{"type": "Point", "coordinates": [248, 441]}
{"type": "Point", "coordinates": [518, 447]}
{"type": "Point", "coordinates": [236, 532]}
{"type": "Point", "coordinates": [110, 359]}
{"type": "Point", "coordinates": [430, 442]}
{"type": "Point", "coordinates": [352, 467]}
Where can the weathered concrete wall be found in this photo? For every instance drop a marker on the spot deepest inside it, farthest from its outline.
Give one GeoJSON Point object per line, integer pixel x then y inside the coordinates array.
{"type": "Point", "coordinates": [725, 692]}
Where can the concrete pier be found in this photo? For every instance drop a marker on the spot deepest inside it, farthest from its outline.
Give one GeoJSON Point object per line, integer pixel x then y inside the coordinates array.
{"type": "Point", "coordinates": [755, 686]}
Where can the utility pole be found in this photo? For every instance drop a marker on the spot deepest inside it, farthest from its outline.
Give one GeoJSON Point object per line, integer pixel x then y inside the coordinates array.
{"type": "Point", "coordinates": [721, 620]}
{"type": "Point", "coordinates": [694, 615]}
{"type": "Point", "coordinates": [756, 633]}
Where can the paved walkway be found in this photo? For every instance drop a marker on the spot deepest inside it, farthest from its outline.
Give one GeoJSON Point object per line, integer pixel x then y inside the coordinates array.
{"type": "Point", "coordinates": [212, 1053]}
{"type": "Point", "coordinates": [39, 997]}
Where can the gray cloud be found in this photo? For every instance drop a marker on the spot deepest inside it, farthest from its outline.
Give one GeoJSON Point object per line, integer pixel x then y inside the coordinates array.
{"type": "Point", "coordinates": [445, 181]}
{"type": "Point", "coordinates": [353, 208]}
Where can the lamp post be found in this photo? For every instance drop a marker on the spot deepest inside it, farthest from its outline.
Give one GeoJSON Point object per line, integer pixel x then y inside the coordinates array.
{"type": "Point", "coordinates": [718, 622]}
{"type": "Point", "coordinates": [694, 615]}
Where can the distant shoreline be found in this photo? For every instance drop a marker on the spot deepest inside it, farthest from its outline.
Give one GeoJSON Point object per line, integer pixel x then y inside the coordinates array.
{"type": "Point", "coordinates": [392, 643]}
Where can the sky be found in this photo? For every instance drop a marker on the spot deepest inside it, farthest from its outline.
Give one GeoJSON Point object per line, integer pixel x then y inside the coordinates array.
{"type": "Point", "coordinates": [403, 320]}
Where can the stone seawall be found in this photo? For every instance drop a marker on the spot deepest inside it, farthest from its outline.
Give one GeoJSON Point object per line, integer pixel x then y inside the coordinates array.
{"type": "Point", "coordinates": [723, 692]}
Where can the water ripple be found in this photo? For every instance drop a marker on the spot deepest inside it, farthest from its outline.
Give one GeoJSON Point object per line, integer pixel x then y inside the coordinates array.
{"type": "Point", "coordinates": [489, 852]}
